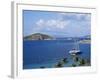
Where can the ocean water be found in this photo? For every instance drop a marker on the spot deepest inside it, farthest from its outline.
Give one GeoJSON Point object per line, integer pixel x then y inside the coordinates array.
{"type": "Point", "coordinates": [48, 53]}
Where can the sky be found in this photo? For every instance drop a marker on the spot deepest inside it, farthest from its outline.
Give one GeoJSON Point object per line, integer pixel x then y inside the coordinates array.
{"type": "Point", "coordinates": [56, 24]}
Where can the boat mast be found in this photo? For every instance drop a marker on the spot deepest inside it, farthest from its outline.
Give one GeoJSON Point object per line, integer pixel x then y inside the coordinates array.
{"type": "Point", "coordinates": [76, 44]}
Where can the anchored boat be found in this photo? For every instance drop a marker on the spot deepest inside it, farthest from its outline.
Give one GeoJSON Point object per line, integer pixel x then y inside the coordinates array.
{"type": "Point", "coordinates": [75, 50]}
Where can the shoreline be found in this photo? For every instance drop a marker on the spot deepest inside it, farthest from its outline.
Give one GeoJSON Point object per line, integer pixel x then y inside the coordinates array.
{"type": "Point", "coordinates": [85, 41]}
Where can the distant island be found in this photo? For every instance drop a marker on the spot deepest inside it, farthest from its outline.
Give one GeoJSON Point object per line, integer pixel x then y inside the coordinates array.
{"type": "Point", "coordinates": [38, 36]}
{"type": "Point", "coordinates": [86, 39]}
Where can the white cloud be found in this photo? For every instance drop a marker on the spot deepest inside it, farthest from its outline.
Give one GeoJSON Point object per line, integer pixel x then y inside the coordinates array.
{"type": "Point", "coordinates": [64, 23]}
{"type": "Point", "coordinates": [76, 16]}
{"type": "Point", "coordinates": [40, 22]}
{"type": "Point", "coordinates": [52, 23]}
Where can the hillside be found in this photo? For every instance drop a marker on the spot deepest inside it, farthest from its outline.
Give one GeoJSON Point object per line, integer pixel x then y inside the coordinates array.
{"type": "Point", "coordinates": [38, 36]}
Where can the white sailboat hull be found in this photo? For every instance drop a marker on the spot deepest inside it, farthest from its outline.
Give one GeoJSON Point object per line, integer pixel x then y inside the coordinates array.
{"type": "Point", "coordinates": [74, 52]}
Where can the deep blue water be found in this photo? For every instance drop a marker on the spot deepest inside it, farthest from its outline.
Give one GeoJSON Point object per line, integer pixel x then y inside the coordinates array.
{"type": "Point", "coordinates": [48, 52]}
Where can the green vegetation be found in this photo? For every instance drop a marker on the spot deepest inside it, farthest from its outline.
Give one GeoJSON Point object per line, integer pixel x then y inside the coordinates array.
{"type": "Point", "coordinates": [76, 58]}
{"type": "Point", "coordinates": [78, 61]}
{"type": "Point", "coordinates": [74, 65]}
{"type": "Point", "coordinates": [65, 60]}
{"type": "Point", "coordinates": [59, 64]}
{"type": "Point", "coordinates": [82, 62]}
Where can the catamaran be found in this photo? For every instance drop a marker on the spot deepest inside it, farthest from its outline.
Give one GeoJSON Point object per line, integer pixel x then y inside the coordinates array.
{"type": "Point", "coordinates": [76, 49]}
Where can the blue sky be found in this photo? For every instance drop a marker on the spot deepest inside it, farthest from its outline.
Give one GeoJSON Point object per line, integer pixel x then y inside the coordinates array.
{"type": "Point", "coordinates": [58, 24]}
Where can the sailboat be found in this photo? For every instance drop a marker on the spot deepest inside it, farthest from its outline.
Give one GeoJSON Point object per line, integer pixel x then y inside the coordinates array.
{"type": "Point", "coordinates": [75, 50]}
